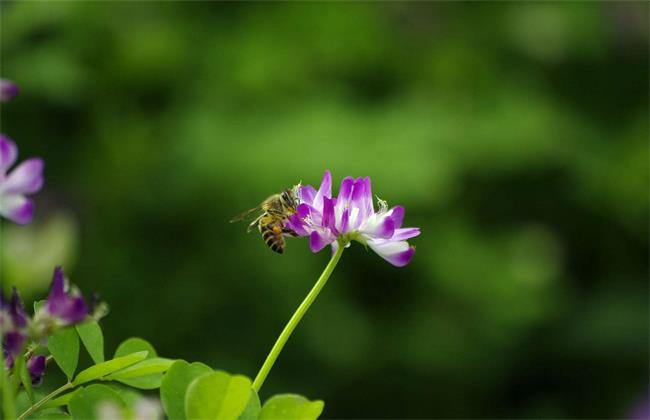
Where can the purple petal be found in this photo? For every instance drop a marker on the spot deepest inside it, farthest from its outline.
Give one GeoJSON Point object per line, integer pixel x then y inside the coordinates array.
{"type": "Point", "coordinates": [36, 369]}
{"type": "Point", "coordinates": [56, 298]}
{"type": "Point", "coordinates": [17, 310]}
{"type": "Point", "coordinates": [27, 178]}
{"type": "Point", "coordinates": [69, 309]}
{"type": "Point", "coordinates": [14, 341]}
{"type": "Point", "coordinates": [405, 233]}
{"type": "Point", "coordinates": [17, 208]}
{"type": "Point", "coordinates": [8, 153]}
{"type": "Point", "coordinates": [345, 192]}
{"type": "Point", "coordinates": [325, 190]}
{"type": "Point", "coordinates": [328, 213]}
{"type": "Point", "coordinates": [74, 311]}
{"type": "Point", "coordinates": [345, 222]}
{"type": "Point", "coordinates": [378, 226]}
{"type": "Point", "coordinates": [318, 241]}
{"type": "Point", "coordinates": [397, 253]}
{"type": "Point", "coordinates": [307, 194]}
{"type": "Point", "coordinates": [297, 224]}
{"type": "Point", "coordinates": [8, 90]}
{"type": "Point", "coordinates": [397, 213]}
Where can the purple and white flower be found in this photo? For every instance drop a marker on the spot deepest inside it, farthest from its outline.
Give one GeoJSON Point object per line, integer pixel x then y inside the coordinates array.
{"type": "Point", "coordinates": [13, 323]}
{"type": "Point", "coordinates": [351, 216]}
{"type": "Point", "coordinates": [23, 180]}
{"type": "Point", "coordinates": [62, 307]}
{"type": "Point", "coordinates": [8, 90]}
{"type": "Point", "coordinates": [36, 369]}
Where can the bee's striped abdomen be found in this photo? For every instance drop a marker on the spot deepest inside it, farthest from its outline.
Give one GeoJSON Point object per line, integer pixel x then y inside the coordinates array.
{"type": "Point", "coordinates": [272, 235]}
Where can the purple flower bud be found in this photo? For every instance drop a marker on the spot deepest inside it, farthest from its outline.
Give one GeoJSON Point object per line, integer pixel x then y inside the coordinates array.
{"type": "Point", "coordinates": [67, 308]}
{"type": "Point", "coordinates": [8, 90]}
{"type": "Point", "coordinates": [36, 369]}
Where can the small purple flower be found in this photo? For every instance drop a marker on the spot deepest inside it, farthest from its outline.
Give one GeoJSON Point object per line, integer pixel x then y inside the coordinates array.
{"type": "Point", "coordinates": [66, 308]}
{"type": "Point", "coordinates": [36, 369]}
{"type": "Point", "coordinates": [25, 179]}
{"type": "Point", "coordinates": [8, 90]}
{"type": "Point", "coordinates": [351, 216]}
{"type": "Point", "coordinates": [13, 323]}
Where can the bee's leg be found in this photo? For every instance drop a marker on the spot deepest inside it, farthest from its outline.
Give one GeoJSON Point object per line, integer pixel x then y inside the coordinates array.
{"type": "Point", "coordinates": [288, 231]}
{"type": "Point", "coordinates": [253, 224]}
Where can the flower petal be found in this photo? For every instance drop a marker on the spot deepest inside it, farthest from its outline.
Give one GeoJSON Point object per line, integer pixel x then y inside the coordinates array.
{"type": "Point", "coordinates": [405, 233]}
{"type": "Point", "coordinates": [318, 241]}
{"type": "Point", "coordinates": [27, 178]}
{"type": "Point", "coordinates": [328, 213]}
{"type": "Point", "coordinates": [36, 369]}
{"type": "Point", "coordinates": [307, 194]}
{"type": "Point", "coordinates": [397, 253]}
{"type": "Point", "coordinates": [378, 226]}
{"type": "Point", "coordinates": [17, 208]}
{"type": "Point", "coordinates": [8, 153]}
{"type": "Point", "coordinates": [397, 213]}
{"type": "Point", "coordinates": [14, 341]}
{"type": "Point", "coordinates": [17, 310]}
{"type": "Point", "coordinates": [8, 90]}
{"type": "Point", "coordinates": [325, 190]}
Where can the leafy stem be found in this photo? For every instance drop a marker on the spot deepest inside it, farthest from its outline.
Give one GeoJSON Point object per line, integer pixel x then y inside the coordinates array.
{"type": "Point", "coordinates": [295, 319]}
{"type": "Point", "coordinates": [8, 407]}
{"type": "Point", "coordinates": [45, 399]}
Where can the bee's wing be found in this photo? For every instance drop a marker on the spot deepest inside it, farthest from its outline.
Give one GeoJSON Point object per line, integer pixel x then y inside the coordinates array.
{"type": "Point", "coordinates": [247, 215]}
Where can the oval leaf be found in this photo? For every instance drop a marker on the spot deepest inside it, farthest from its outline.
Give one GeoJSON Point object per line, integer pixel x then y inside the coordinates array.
{"type": "Point", "coordinates": [92, 339]}
{"type": "Point", "coordinates": [291, 407]}
{"type": "Point", "coordinates": [64, 347]}
{"type": "Point", "coordinates": [217, 395]}
{"type": "Point", "coordinates": [62, 400]}
{"type": "Point", "coordinates": [88, 403]}
{"type": "Point", "coordinates": [135, 344]}
{"type": "Point", "coordinates": [102, 369]}
{"type": "Point", "coordinates": [174, 386]}
{"type": "Point", "coordinates": [146, 374]}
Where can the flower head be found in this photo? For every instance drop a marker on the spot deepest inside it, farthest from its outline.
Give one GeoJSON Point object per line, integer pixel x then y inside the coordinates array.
{"type": "Point", "coordinates": [8, 90]}
{"type": "Point", "coordinates": [36, 369]}
{"type": "Point", "coordinates": [61, 308]}
{"type": "Point", "coordinates": [351, 216]}
{"type": "Point", "coordinates": [13, 323]}
{"type": "Point", "coordinates": [25, 179]}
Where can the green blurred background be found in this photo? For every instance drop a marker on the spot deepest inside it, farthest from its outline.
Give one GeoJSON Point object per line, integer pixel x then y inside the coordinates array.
{"type": "Point", "coordinates": [515, 134]}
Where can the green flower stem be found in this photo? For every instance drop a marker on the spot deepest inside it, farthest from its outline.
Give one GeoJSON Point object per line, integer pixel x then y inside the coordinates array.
{"type": "Point", "coordinates": [8, 405]}
{"type": "Point", "coordinates": [45, 399]}
{"type": "Point", "coordinates": [295, 319]}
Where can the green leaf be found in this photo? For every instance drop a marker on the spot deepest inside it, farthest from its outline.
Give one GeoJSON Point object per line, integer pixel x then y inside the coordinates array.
{"type": "Point", "coordinates": [135, 344]}
{"type": "Point", "coordinates": [21, 367]}
{"type": "Point", "coordinates": [85, 404]}
{"type": "Point", "coordinates": [174, 386]}
{"type": "Point", "coordinates": [93, 339]}
{"type": "Point", "coordinates": [252, 409]}
{"type": "Point", "coordinates": [64, 347]}
{"type": "Point", "coordinates": [102, 369]}
{"type": "Point", "coordinates": [146, 374]}
{"type": "Point", "coordinates": [63, 399]}
{"type": "Point", "coordinates": [50, 415]}
{"type": "Point", "coordinates": [218, 395]}
{"type": "Point", "coordinates": [290, 407]}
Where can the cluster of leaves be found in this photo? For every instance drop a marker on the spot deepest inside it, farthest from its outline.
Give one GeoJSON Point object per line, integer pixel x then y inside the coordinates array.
{"type": "Point", "coordinates": [187, 390]}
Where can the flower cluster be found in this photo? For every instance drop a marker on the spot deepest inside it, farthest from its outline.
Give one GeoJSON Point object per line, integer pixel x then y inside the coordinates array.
{"type": "Point", "coordinates": [337, 221]}
{"type": "Point", "coordinates": [25, 179]}
{"type": "Point", "coordinates": [61, 308]}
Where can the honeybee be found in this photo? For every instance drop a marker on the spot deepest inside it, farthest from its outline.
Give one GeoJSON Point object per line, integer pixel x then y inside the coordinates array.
{"type": "Point", "coordinates": [275, 210]}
